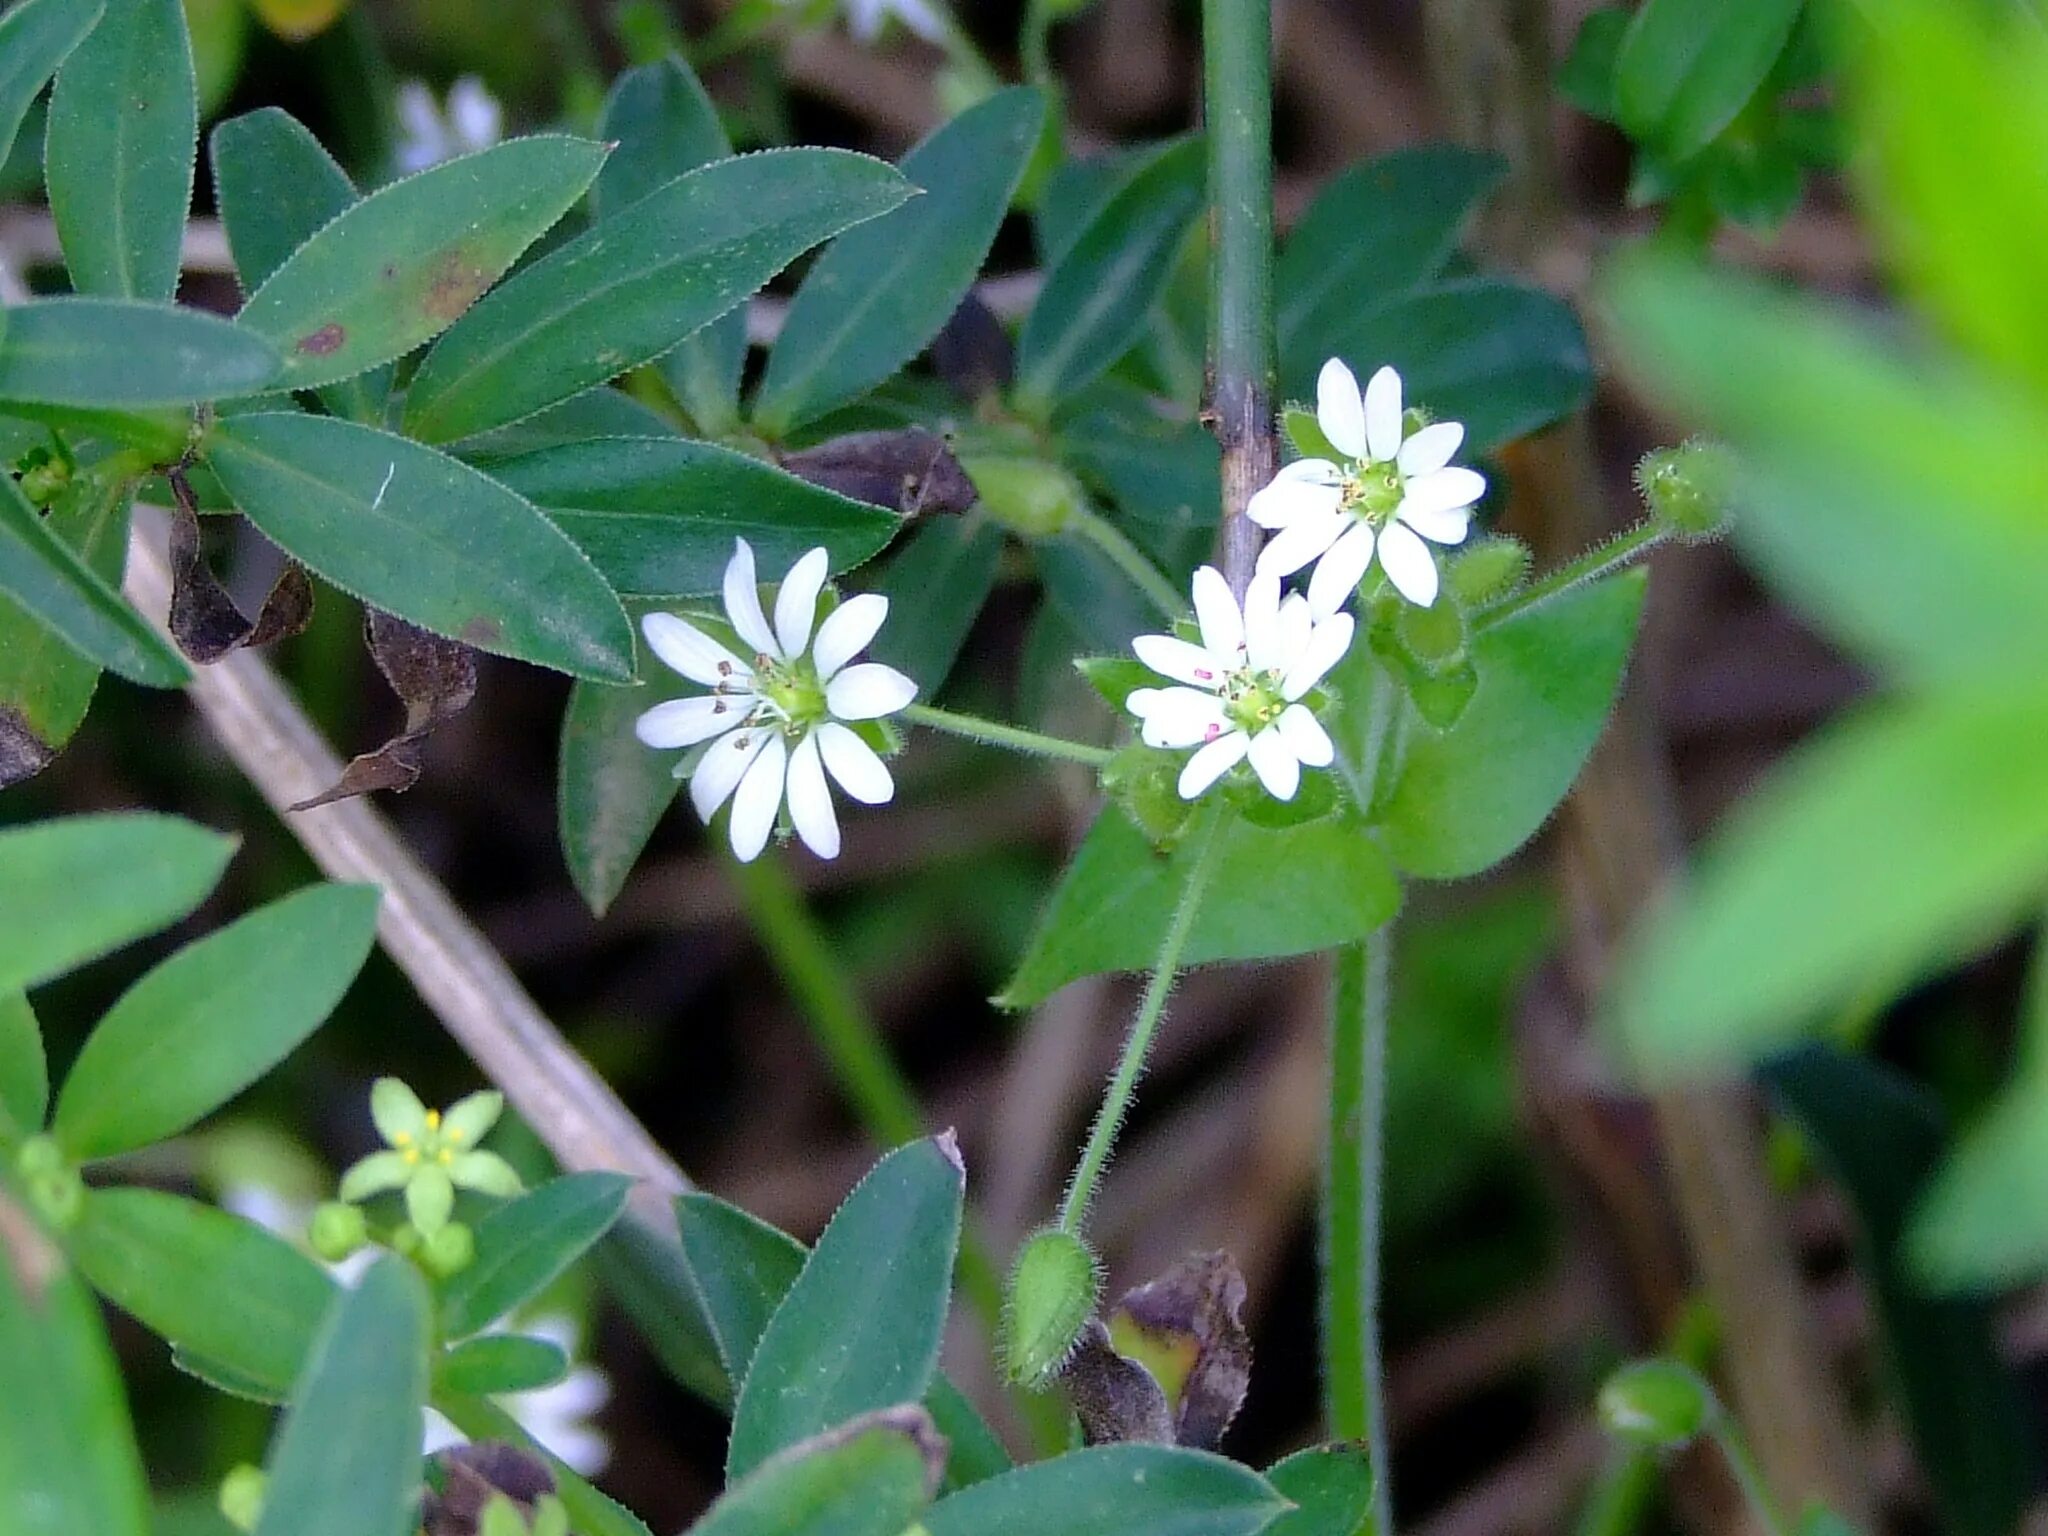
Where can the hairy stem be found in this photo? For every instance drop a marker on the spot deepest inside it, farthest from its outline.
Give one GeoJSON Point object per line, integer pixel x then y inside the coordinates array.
{"type": "Point", "coordinates": [1602, 559]}
{"type": "Point", "coordinates": [991, 734]}
{"type": "Point", "coordinates": [1237, 76]}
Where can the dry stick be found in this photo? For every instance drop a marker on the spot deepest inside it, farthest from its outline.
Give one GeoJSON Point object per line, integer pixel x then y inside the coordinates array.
{"type": "Point", "coordinates": [457, 972]}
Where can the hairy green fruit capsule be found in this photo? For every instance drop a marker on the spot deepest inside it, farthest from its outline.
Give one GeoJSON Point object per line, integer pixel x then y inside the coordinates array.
{"type": "Point", "coordinates": [1031, 497]}
{"type": "Point", "coordinates": [1488, 569]}
{"type": "Point", "coordinates": [241, 1497]}
{"type": "Point", "coordinates": [1053, 1289]}
{"type": "Point", "coordinates": [1688, 488]}
{"type": "Point", "coordinates": [1659, 1405]}
{"type": "Point", "coordinates": [337, 1230]}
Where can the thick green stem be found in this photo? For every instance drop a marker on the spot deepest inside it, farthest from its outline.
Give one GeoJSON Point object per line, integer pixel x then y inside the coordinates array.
{"type": "Point", "coordinates": [990, 734]}
{"type": "Point", "coordinates": [1353, 1179]}
{"type": "Point", "coordinates": [1237, 74]}
{"type": "Point", "coordinates": [1129, 559]}
{"type": "Point", "coordinates": [1116, 1101]}
{"type": "Point", "coordinates": [1601, 560]}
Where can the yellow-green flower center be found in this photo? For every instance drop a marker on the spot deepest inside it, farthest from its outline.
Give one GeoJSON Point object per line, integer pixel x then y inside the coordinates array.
{"type": "Point", "coordinates": [792, 692]}
{"type": "Point", "coordinates": [1372, 492]}
{"type": "Point", "coordinates": [1252, 699]}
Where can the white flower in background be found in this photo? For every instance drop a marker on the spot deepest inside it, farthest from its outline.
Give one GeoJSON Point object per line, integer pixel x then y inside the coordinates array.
{"type": "Point", "coordinates": [1390, 492]}
{"type": "Point", "coordinates": [1240, 689]}
{"type": "Point", "coordinates": [558, 1417]}
{"type": "Point", "coordinates": [427, 135]}
{"type": "Point", "coordinates": [775, 723]}
{"type": "Point", "coordinates": [865, 18]}
{"type": "Point", "coordinates": [288, 1218]}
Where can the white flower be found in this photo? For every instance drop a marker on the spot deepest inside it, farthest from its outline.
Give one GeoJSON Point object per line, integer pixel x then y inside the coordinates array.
{"type": "Point", "coordinates": [288, 1217]}
{"type": "Point", "coordinates": [774, 723]}
{"type": "Point", "coordinates": [1388, 492]}
{"type": "Point", "coordinates": [427, 136]}
{"type": "Point", "coordinates": [864, 19]}
{"type": "Point", "coordinates": [558, 1417]}
{"type": "Point", "coordinates": [1242, 686]}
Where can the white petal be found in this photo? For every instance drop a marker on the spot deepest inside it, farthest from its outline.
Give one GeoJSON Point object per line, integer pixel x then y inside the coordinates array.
{"type": "Point", "coordinates": [1440, 527]}
{"type": "Point", "coordinates": [847, 630]}
{"type": "Point", "coordinates": [1264, 641]}
{"type": "Point", "coordinates": [1444, 491]}
{"type": "Point", "coordinates": [1326, 647]}
{"type": "Point", "coordinates": [1171, 656]}
{"type": "Point", "coordinates": [688, 650]}
{"type": "Point", "coordinates": [868, 691]}
{"type": "Point", "coordinates": [1301, 542]}
{"type": "Point", "coordinates": [1409, 564]}
{"type": "Point", "coordinates": [685, 722]}
{"type": "Point", "coordinates": [743, 601]}
{"type": "Point", "coordinates": [856, 765]}
{"type": "Point", "coordinates": [1430, 449]}
{"type": "Point", "coordinates": [1307, 488]}
{"type": "Point", "coordinates": [1296, 625]}
{"type": "Point", "coordinates": [1275, 764]}
{"type": "Point", "coordinates": [1211, 763]}
{"type": "Point", "coordinates": [759, 798]}
{"type": "Point", "coordinates": [921, 19]}
{"type": "Point", "coordinates": [1337, 573]}
{"type": "Point", "coordinates": [1216, 613]}
{"type": "Point", "coordinates": [721, 768]}
{"type": "Point", "coordinates": [1383, 415]}
{"type": "Point", "coordinates": [1305, 736]}
{"type": "Point", "coordinates": [796, 604]}
{"type": "Point", "coordinates": [1339, 412]}
{"type": "Point", "coordinates": [810, 800]}
{"type": "Point", "coordinates": [1183, 717]}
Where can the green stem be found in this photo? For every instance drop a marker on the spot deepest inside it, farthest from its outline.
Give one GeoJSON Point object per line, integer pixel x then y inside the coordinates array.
{"type": "Point", "coordinates": [1748, 1475]}
{"type": "Point", "coordinates": [967, 59]}
{"type": "Point", "coordinates": [1353, 1181]}
{"type": "Point", "coordinates": [1129, 559]}
{"type": "Point", "coordinates": [1034, 45]}
{"type": "Point", "coordinates": [1237, 66]}
{"type": "Point", "coordinates": [1599, 561]}
{"type": "Point", "coordinates": [1016, 738]}
{"type": "Point", "coordinates": [1116, 1101]}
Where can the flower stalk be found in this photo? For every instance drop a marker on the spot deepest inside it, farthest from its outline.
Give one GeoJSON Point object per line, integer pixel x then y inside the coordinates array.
{"type": "Point", "coordinates": [1014, 738]}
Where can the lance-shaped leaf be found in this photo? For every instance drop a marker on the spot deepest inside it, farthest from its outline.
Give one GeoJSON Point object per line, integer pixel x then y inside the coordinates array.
{"type": "Point", "coordinates": [500, 1362]}
{"type": "Point", "coordinates": [68, 1464]}
{"type": "Point", "coordinates": [82, 886]}
{"type": "Point", "coordinates": [1330, 1487]}
{"type": "Point", "coordinates": [117, 161]}
{"type": "Point", "coordinates": [24, 1071]}
{"type": "Point", "coordinates": [860, 1328]}
{"type": "Point", "coordinates": [403, 264]}
{"type": "Point", "coordinates": [1684, 70]}
{"type": "Point", "coordinates": [881, 292]}
{"type": "Point", "coordinates": [869, 1477]}
{"type": "Point", "coordinates": [172, 1262]}
{"type": "Point", "coordinates": [522, 1246]}
{"type": "Point", "coordinates": [47, 577]}
{"type": "Point", "coordinates": [1114, 1490]}
{"type": "Point", "coordinates": [213, 1018]}
{"type": "Point", "coordinates": [35, 37]}
{"type": "Point", "coordinates": [125, 355]}
{"type": "Point", "coordinates": [423, 536]}
{"type": "Point", "coordinates": [632, 288]}
{"type": "Point", "coordinates": [347, 1460]}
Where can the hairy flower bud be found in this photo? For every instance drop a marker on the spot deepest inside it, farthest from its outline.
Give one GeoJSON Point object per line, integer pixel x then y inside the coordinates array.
{"type": "Point", "coordinates": [1688, 488]}
{"type": "Point", "coordinates": [1053, 1288]}
{"type": "Point", "coordinates": [1487, 569]}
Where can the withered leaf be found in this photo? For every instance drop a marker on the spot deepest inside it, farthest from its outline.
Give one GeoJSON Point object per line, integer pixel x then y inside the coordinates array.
{"type": "Point", "coordinates": [467, 1477]}
{"type": "Point", "coordinates": [1116, 1399]}
{"type": "Point", "coordinates": [434, 678]}
{"type": "Point", "coordinates": [203, 618]}
{"type": "Point", "coordinates": [972, 351]}
{"type": "Point", "coordinates": [910, 471]}
{"type": "Point", "coordinates": [1187, 1328]}
{"type": "Point", "coordinates": [23, 754]}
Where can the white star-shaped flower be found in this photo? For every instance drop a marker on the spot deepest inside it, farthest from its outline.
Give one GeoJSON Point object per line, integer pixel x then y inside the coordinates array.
{"type": "Point", "coordinates": [427, 135]}
{"type": "Point", "coordinates": [865, 18]}
{"type": "Point", "coordinates": [1240, 690]}
{"type": "Point", "coordinates": [775, 723]}
{"type": "Point", "coordinates": [1390, 492]}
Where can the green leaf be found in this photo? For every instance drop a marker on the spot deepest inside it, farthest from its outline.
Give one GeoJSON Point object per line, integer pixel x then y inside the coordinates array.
{"type": "Point", "coordinates": [1879, 1137]}
{"type": "Point", "coordinates": [1275, 891]}
{"type": "Point", "coordinates": [276, 185]}
{"type": "Point", "coordinates": [68, 1464]}
{"type": "Point", "coordinates": [46, 686]}
{"type": "Point", "coordinates": [403, 264]}
{"type": "Point", "coordinates": [879, 294]}
{"type": "Point", "coordinates": [1501, 357]}
{"type": "Point", "coordinates": [869, 1477]}
{"type": "Point", "coordinates": [225, 1378]}
{"type": "Point", "coordinates": [1114, 1490]}
{"type": "Point", "coordinates": [1892, 844]}
{"type": "Point", "coordinates": [127, 355]}
{"type": "Point", "coordinates": [642, 1266]}
{"type": "Point", "coordinates": [83, 886]}
{"type": "Point", "coordinates": [1685, 70]}
{"type": "Point", "coordinates": [425, 537]}
{"type": "Point", "coordinates": [217, 1287]}
{"type": "Point", "coordinates": [347, 1460]}
{"type": "Point", "coordinates": [53, 582]}
{"type": "Point", "coordinates": [123, 134]}
{"type": "Point", "coordinates": [1098, 296]}
{"type": "Point", "coordinates": [1585, 76]}
{"type": "Point", "coordinates": [500, 1362]}
{"type": "Point", "coordinates": [1389, 224]}
{"type": "Point", "coordinates": [603, 412]}
{"type": "Point", "coordinates": [632, 288]}
{"type": "Point", "coordinates": [860, 1328]}
{"type": "Point", "coordinates": [35, 37]}
{"type": "Point", "coordinates": [1095, 595]}
{"type": "Point", "coordinates": [936, 581]}
{"type": "Point", "coordinates": [658, 515]}
{"type": "Point", "coordinates": [1893, 496]}
{"type": "Point", "coordinates": [1466, 798]}
{"type": "Point", "coordinates": [1330, 1487]}
{"type": "Point", "coordinates": [24, 1072]}
{"type": "Point", "coordinates": [590, 1512]}
{"type": "Point", "coordinates": [522, 1246]}
{"type": "Point", "coordinates": [1160, 468]}
{"type": "Point", "coordinates": [209, 1021]}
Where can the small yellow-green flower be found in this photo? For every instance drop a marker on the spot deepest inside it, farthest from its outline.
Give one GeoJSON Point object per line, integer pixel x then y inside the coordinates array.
{"type": "Point", "coordinates": [430, 1154]}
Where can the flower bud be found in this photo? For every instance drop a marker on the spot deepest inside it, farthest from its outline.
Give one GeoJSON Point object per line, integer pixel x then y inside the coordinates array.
{"type": "Point", "coordinates": [337, 1230]}
{"type": "Point", "coordinates": [1054, 1286]}
{"type": "Point", "coordinates": [1030, 496]}
{"type": "Point", "coordinates": [1658, 1405]}
{"type": "Point", "coordinates": [448, 1251]}
{"type": "Point", "coordinates": [241, 1497]}
{"type": "Point", "coordinates": [1487, 569]}
{"type": "Point", "coordinates": [406, 1239]}
{"type": "Point", "coordinates": [1688, 488]}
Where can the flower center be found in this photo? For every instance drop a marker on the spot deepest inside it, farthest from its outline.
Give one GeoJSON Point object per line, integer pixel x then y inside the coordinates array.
{"type": "Point", "coordinates": [1252, 699]}
{"type": "Point", "coordinates": [1372, 492]}
{"type": "Point", "coordinates": [790, 694]}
